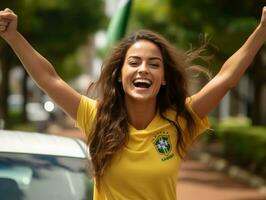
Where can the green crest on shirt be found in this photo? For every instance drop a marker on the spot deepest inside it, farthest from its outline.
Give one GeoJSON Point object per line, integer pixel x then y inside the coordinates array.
{"type": "Point", "coordinates": [162, 144]}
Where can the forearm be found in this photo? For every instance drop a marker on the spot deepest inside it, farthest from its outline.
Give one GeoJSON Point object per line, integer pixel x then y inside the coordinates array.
{"type": "Point", "coordinates": [237, 64]}
{"type": "Point", "coordinates": [35, 64]}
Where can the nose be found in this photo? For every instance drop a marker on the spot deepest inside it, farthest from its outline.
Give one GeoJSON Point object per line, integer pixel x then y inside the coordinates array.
{"type": "Point", "coordinates": [143, 68]}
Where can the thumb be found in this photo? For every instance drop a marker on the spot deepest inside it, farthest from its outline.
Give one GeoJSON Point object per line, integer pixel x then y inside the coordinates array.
{"type": "Point", "coordinates": [8, 10]}
{"type": "Point", "coordinates": [263, 16]}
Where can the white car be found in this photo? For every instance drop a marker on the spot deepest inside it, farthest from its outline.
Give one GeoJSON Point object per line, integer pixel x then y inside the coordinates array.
{"type": "Point", "coordinates": [36, 166]}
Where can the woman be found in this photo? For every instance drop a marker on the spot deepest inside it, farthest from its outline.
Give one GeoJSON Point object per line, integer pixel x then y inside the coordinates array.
{"type": "Point", "coordinates": [143, 121]}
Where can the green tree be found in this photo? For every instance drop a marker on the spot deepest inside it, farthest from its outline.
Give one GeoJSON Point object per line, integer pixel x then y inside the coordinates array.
{"type": "Point", "coordinates": [55, 28]}
{"type": "Point", "coordinates": [226, 23]}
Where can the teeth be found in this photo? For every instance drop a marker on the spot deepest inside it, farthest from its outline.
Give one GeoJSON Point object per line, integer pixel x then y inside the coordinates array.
{"type": "Point", "coordinates": [142, 81]}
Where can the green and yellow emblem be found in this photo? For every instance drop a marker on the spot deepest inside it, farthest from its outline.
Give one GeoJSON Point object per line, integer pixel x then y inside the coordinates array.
{"type": "Point", "coordinates": [162, 144]}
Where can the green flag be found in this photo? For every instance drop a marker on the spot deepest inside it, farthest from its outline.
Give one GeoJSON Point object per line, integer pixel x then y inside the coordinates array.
{"type": "Point", "coordinates": [118, 24]}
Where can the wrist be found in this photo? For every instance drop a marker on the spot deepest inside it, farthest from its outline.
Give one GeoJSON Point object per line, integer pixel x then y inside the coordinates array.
{"type": "Point", "coordinates": [262, 29]}
{"type": "Point", "coordinates": [11, 37]}
{"type": "Point", "coordinates": [262, 25]}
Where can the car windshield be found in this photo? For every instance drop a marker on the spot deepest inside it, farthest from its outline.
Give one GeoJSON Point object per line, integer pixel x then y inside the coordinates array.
{"type": "Point", "coordinates": [42, 177]}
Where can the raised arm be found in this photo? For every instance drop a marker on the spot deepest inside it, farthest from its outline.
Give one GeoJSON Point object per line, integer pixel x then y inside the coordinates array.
{"type": "Point", "coordinates": [41, 71]}
{"type": "Point", "coordinates": [210, 95]}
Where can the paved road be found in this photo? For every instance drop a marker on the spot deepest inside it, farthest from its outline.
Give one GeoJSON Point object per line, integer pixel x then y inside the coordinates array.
{"type": "Point", "coordinates": [198, 182]}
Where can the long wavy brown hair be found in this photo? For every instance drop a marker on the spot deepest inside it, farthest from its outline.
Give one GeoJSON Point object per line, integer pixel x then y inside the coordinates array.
{"type": "Point", "coordinates": [110, 131]}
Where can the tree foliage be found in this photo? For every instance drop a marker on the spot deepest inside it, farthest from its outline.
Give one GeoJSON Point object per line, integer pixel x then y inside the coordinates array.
{"type": "Point", "coordinates": [226, 25]}
{"type": "Point", "coordinates": [55, 28]}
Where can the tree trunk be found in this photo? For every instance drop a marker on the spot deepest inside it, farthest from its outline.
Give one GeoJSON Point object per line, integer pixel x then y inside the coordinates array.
{"type": "Point", "coordinates": [4, 91]}
{"type": "Point", "coordinates": [257, 74]}
{"type": "Point", "coordinates": [25, 96]}
{"type": "Point", "coordinates": [256, 105]}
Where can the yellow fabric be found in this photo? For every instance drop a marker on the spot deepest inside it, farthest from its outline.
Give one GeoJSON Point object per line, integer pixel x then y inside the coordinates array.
{"type": "Point", "coordinates": [147, 167]}
{"type": "Point", "coordinates": [86, 114]}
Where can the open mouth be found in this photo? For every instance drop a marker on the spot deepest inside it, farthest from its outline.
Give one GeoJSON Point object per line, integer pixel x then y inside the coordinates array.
{"type": "Point", "coordinates": [142, 83]}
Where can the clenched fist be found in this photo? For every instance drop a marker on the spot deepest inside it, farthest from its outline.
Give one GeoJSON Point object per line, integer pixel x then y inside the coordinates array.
{"type": "Point", "coordinates": [8, 22]}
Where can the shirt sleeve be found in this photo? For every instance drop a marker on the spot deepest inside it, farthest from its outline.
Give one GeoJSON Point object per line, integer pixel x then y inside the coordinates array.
{"type": "Point", "coordinates": [86, 114]}
{"type": "Point", "coordinates": [202, 124]}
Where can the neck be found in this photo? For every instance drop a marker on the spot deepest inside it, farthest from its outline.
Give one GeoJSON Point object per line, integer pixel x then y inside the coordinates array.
{"type": "Point", "coordinates": [140, 113]}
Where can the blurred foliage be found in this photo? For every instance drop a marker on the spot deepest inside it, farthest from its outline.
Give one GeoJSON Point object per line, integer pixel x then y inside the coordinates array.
{"type": "Point", "coordinates": [29, 127]}
{"type": "Point", "coordinates": [57, 28]}
{"type": "Point", "coordinates": [235, 122]}
{"type": "Point", "coordinates": [213, 134]}
{"type": "Point", "coordinates": [245, 146]}
{"type": "Point", "coordinates": [17, 124]}
{"type": "Point", "coordinates": [222, 26]}
{"type": "Point", "coordinates": [226, 23]}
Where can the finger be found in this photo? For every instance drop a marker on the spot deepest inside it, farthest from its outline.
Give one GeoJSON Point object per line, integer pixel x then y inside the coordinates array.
{"type": "Point", "coordinates": [3, 23]}
{"type": "Point", "coordinates": [8, 10]}
{"type": "Point", "coordinates": [2, 28]}
{"type": "Point", "coordinates": [264, 11]}
{"type": "Point", "coordinates": [7, 16]}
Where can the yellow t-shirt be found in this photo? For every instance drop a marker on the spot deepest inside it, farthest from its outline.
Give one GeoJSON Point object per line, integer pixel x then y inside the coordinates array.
{"type": "Point", "coordinates": [148, 165]}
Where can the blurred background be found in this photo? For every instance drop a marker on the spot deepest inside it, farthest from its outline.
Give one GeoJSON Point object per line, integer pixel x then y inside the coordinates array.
{"type": "Point", "coordinates": [75, 36]}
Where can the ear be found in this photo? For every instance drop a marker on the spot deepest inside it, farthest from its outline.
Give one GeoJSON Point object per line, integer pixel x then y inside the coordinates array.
{"type": "Point", "coordinates": [163, 82]}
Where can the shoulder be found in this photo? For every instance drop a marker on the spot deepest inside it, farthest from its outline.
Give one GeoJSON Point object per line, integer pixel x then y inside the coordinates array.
{"type": "Point", "coordinates": [86, 114]}
{"type": "Point", "coordinates": [87, 104]}
{"type": "Point", "coordinates": [201, 124]}
{"type": "Point", "coordinates": [87, 100]}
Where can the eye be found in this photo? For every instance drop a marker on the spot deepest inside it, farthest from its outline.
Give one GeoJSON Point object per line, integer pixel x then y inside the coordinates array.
{"type": "Point", "coordinates": [155, 65]}
{"type": "Point", "coordinates": [133, 63]}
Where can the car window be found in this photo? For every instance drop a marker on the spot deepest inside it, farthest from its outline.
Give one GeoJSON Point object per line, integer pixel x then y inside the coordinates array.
{"type": "Point", "coordinates": [42, 177]}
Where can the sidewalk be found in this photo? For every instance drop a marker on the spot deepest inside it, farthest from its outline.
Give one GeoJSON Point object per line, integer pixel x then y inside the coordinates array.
{"type": "Point", "coordinates": [197, 181]}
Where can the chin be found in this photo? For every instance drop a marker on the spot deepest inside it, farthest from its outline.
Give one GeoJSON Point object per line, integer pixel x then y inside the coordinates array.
{"type": "Point", "coordinates": [142, 97]}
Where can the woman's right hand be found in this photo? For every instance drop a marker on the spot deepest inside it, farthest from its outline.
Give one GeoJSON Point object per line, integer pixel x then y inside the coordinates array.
{"type": "Point", "coordinates": [8, 23]}
{"type": "Point", "coordinates": [263, 17]}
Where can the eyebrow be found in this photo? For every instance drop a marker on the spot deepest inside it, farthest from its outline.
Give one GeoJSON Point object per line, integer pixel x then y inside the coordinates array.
{"type": "Point", "coordinates": [150, 58]}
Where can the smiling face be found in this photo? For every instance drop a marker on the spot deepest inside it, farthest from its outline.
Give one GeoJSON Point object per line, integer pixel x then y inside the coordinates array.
{"type": "Point", "coordinates": [142, 73]}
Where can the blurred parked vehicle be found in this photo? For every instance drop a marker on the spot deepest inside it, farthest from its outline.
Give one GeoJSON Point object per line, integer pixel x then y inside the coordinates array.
{"type": "Point", "coordinates": [39, 166]}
